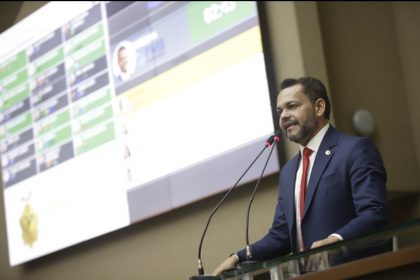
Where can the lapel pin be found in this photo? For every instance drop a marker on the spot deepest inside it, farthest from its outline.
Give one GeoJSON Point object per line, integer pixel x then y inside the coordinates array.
{"type": "Point", "coordinates": [327, 152]}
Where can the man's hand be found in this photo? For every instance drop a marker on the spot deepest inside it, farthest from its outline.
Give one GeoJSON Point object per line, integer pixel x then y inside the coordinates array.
{"type": "Point", "coordinates": [229, 263]}
{"type": "Point", "coordinates": [319, 261]}
{"type": "Point", "coordinates": [329, 240]}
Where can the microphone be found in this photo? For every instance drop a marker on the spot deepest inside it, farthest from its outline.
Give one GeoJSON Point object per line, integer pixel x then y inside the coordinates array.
{"type": "Point", "coordinates": [201, 275]}
{"type": "Point", "coordinates": [276, 138]}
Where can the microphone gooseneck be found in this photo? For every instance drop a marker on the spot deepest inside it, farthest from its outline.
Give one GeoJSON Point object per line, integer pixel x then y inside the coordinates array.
{"type": "Point", "coordinates": [268, 143]}
{"type": "Point", "coordinates": [248, 248]}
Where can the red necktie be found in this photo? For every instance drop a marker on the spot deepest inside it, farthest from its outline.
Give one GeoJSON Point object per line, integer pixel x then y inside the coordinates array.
{"type": "Point", "coordinates": [306, 153]}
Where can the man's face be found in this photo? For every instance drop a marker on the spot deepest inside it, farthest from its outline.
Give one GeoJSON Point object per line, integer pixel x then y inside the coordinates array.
{"type": "Point", "coordinates": [297, 116]}
{"type": "Point", "coordinates": [122, 59]}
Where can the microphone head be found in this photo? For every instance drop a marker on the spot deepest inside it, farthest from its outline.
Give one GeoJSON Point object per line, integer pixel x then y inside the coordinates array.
{"type": "Point", "coordinates": [273, 138]}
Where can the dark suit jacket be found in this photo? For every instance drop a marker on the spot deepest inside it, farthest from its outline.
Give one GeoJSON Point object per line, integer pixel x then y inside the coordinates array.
{"type": "Point", "coordinates": [346, 195]}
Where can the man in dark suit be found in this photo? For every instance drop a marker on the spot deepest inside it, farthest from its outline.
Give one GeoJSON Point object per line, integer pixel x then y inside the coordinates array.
{"type": "Point", "coordinates": [333, 189]}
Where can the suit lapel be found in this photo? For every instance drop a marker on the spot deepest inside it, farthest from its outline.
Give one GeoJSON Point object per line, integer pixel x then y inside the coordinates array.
{"type": "Point", "coordinates": [290, 198]}
{"type": "Point", "coordinates": [323, 157]}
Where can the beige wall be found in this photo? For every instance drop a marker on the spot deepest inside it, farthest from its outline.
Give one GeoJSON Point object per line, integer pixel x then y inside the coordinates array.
{"type": "Point", "coordinates": [365, 69]}
{"type": "Point", "coordinates": [28, 7]}
{"type": "Point", "coordinates": [407, 19]}
{"type": "Point", "coordinates": [367, 53]}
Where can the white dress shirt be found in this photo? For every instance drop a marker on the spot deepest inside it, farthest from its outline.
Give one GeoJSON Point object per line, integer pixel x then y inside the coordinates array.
{"type": "Point", "coordinates": [313, 144]}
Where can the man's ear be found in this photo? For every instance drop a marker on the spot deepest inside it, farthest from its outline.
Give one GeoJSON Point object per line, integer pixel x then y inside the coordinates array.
{"type": "Point", "coordinates": [319, 107]}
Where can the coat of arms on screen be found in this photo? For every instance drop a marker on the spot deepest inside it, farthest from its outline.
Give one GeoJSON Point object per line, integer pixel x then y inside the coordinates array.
{"type": "Point", "coordinates": [29, 225]}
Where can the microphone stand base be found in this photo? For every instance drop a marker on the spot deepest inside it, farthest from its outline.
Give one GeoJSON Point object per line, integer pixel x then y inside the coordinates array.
{"type": "Point", "coordinates": [204, 277]}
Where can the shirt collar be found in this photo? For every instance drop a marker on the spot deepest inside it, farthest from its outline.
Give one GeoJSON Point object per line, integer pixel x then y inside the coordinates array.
{"type": "Point", "coordinates": [315, 142]}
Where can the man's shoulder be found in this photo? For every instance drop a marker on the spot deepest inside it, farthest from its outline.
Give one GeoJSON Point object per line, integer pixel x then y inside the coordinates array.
{"type": "Point", "coordinates": [353, 144]}
{"type": "Point", "coordinates": [343, 137]}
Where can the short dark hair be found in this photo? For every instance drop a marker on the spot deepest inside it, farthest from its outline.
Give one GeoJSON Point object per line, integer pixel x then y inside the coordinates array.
{"type": "Point", "coordinates": [312, 88]}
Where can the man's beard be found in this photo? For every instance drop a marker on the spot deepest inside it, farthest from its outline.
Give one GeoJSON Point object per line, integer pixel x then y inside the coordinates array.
{"type": "Point", "coordinates": [305, 132]}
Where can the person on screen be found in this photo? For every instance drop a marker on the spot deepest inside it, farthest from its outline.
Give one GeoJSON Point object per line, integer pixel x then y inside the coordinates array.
{"type": "Point", "coordinates": [344, 193]}
{"type": "Point", "coordinates": [124, 61]}
{"type": "Point", "coordinates": [122, 56]}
